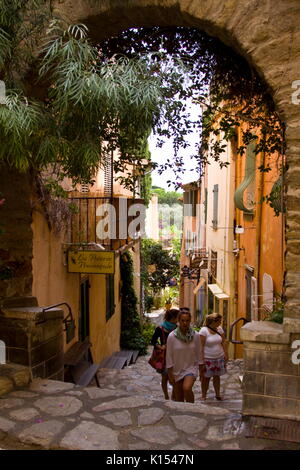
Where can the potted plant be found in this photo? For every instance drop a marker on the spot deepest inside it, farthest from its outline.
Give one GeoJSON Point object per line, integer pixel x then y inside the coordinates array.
{"type": "Point", "coordinates": [168, 303]}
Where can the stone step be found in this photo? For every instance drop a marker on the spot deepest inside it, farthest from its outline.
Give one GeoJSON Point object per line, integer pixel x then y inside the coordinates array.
{"type": "Point", "coordinates": [13, 376]}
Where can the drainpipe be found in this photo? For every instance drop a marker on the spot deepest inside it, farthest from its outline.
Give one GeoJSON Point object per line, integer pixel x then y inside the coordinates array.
{"type": "Point", "coordinates": [259, 220]}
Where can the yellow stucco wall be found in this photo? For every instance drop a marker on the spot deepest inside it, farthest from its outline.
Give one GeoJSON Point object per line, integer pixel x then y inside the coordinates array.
{"type": "Point", "coordinates": [52, 283]}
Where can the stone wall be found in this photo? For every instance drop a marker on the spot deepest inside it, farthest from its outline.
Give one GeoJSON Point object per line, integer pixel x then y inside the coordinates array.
{"type": "Point", "coordinates": [16, 236]}
{"type": "Point", "coordinates": [271, 382]}
{"type": "Point", "coordinates": [34, 338]}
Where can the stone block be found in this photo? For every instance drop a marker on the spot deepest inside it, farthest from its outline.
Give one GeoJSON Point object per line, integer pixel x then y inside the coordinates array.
{"type": "Point", "coordinates": [264, 331]}
{"type": "Point", "coordinates": [6, 385]}
{"type": "Point", "coordinates": [13, 336]}
{"type": "Point", "coordinates": [261, 405]}
{"type": "Point", "coordinates": [282, 386]}
{"type": "Point", "coordinates": [276, 362]}
{"type": "Point", "coordinates": [54, 364]}
{"type": "Point", "coordinates": [18, 356]}
{"type": "Point", "coordinates": [38, 371]}
{"type": "Point", "coordinates": [253, 383]}
{"type": "Point", "coordinates": [47, 350]}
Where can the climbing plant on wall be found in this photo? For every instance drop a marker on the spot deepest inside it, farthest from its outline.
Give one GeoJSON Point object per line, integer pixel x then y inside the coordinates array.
{"type": "Point", "coordinates": [131, 332]}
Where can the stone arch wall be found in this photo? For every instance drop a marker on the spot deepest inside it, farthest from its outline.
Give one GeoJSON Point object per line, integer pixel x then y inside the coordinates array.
{"type": "Point", "coordinates": [265, 32]}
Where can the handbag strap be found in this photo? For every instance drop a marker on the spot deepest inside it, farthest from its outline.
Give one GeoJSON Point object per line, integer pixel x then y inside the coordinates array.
{"type": "Point", "coordinates": [214, 331]}
{"type": "Point", "coordinates": [163, 334]}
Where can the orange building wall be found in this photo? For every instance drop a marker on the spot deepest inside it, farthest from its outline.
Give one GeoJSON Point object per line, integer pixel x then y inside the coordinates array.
{"type": "Point", "coordinates": [262, 242]}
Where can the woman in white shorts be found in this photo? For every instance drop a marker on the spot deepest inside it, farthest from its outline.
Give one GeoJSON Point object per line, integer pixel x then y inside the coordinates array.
{"type": "Point", "coordinates": [213, 354]}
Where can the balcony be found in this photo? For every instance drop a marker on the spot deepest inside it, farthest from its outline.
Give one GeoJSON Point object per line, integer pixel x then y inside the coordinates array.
{"type": "Point", "coordinates": [101, 220]}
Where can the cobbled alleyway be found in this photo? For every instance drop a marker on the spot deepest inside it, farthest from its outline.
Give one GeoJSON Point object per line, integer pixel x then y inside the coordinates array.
{"type": "Point", "coordinates": [126, 413]}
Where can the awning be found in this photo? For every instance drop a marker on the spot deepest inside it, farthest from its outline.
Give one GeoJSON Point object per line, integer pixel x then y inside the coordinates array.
{"type": "Point", "coordinates": [199, 285]}
{"type": "Point", "coordinates": [222, 296]}
{"type": "Point", "coordinates": [215, 289]}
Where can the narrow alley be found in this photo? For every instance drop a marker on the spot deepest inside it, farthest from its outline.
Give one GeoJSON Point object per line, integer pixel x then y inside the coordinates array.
{"type": "Point", "coordinates": [126, 413]}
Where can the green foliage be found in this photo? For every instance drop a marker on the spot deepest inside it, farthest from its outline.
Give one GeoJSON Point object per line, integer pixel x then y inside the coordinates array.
{"type": "Point", "coordinates": [277, 313]}
{"type": "Point", "coordinates": [117, 92]}
{"type": "Point", "coordinates": [167, 197]}
{"type": "Point", "coordinates": [131, 332]}
{"type": "Point", "coordinates": [165, 263]}
{"type": "Point", "coordinates": [148, 331]}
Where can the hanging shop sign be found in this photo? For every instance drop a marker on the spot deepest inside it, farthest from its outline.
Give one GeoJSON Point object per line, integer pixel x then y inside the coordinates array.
{"type": "Point", "coordinates": [91, 262]}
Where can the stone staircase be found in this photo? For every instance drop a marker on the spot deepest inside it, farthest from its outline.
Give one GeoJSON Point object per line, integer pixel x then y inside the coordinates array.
{"type": "Point", "coordinates": [13, 377]}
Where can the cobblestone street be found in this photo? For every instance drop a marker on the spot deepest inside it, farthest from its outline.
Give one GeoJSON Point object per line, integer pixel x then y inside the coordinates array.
{"type": "Point", "coordinates": [126, 413]}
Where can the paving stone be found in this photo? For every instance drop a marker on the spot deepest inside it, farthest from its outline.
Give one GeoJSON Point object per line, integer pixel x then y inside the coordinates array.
{"type": "Point", "coordinates": [215, 433]}
{"type": "Point", "coordinates": [128, 402]}
{"type": "Point", "coordinates": [50, 386]}
{"type": "Point", "coordinates": [41, 434]}
{"type": "Point", "coordinates": [150, 416]}
{"type": "Point", "coordinates": [95, 392]}
{"type": "Point", "coordinates": [182, 447]}
{"type": "Point", "coordinates": [86, 415]}
{"type": "Point", "coordinates": [139, 446]}
{"type": "Point", "coordinates": [198, 442]}
{"type": "Point", "coordinates": [230, 446]}
{"type": "Point", "coordinates": [6, 425]}
{"type": "Point", "coordinates": [23, 394]}
{"type": "Point", "coordinates": [163, 435]}
{"type": "Point", "coordinates": [75, 393]}
{"type": "Point", "coordinates": [6, 403]}
{"type": "Point", "coordinates": [90, 436]}
{"type": "Point", "coordinates": [25, 414]}
{"type": "Point", "coordinates": [59, 406]}
{"type": "Point", "coordinates": [121, 418]}
{"type": "Point", "coordinates": [189, 424]}
{"type": "Point", "coordinates": [196, 408]}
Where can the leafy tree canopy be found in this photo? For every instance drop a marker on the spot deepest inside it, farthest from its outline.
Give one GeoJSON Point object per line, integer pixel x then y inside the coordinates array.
{"type": "Point", "coordinates": [167, 197]}
{"type": "Point", "coordinates": [109, 96]}
{"type": "Point", "coordinates": [166, 265]}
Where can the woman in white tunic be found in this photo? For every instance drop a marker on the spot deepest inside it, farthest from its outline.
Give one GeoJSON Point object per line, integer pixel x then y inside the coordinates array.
{"type": "Point", "coordinates": [213, 354]}
{"type": "Point", "coordinates": [182, 358]}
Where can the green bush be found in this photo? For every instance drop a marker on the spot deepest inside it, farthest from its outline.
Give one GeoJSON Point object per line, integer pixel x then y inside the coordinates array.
{"type": "Point", "coordinates": [147, 331]}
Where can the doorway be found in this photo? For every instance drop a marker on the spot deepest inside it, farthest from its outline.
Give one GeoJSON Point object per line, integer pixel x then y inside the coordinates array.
{"type": "Point", "coordinates": [84, 316]}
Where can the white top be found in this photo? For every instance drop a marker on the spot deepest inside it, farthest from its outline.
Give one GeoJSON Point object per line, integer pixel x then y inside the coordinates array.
{"type": "Point", "coordinates": [183, 357]}
{"type": "Point", "coordinates": [213, 348]}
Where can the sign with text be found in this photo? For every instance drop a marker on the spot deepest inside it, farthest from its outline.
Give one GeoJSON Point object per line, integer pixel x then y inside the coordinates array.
{"type": "Point", "coordinates": [91, 262]}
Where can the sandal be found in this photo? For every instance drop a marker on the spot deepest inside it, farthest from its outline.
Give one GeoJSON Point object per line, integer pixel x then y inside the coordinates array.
{"type": "Point", "coordinates": [219, 398]}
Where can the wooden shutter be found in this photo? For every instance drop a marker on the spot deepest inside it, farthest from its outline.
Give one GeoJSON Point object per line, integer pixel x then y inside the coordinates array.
{"type": "Point", "coordinates": [254, 299]}
{"type": "Point", "coordinates": [215, 206]}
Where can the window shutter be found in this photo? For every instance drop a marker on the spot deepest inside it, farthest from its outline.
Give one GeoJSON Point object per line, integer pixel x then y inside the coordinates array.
{"type": "Point", "coordinates": [254, 299]}
{"type": "Point", "coordinates": [215, 206]}
{"type": "Point", "coordinates": [205, 207]}
{"type": "Point", "coordinates": [194, 202]}
{"type": "Point", "coordinates": [268, 292]}
{"type": "Point", "coordinates": [110, 296]}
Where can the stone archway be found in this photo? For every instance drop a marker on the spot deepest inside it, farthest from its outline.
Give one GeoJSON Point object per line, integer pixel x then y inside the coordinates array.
{"type": "Point", "coordinates": [266, 33]}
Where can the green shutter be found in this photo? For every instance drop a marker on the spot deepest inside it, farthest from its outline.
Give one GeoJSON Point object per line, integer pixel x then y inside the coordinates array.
{"type": "Point", "coordinates": [110, 295]}
{"type": "Point", "coordinates": [215, 206]}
